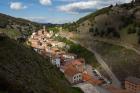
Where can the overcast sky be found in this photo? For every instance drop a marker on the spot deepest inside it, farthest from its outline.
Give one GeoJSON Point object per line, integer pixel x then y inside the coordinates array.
{"type": "Point", "coordinates": [54, 11]}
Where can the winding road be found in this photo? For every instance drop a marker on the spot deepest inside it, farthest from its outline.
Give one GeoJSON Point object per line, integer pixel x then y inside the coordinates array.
{"type": "Point", "coordinates": [115, 81]}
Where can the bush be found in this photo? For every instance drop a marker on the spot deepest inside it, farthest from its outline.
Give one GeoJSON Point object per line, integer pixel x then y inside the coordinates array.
{"type": "Point", "coordinates": [91, 30]}
{"type": "Point", "coordinates": [112, 32]}
{"type": "Point", "coordinates": [139, 40]}
{"type": "Point", "coordinates": [102, 33]}
{"type": "Point", "coordinates": [131, 30]}
{"type": "Point", "coordinates": [3, 23]}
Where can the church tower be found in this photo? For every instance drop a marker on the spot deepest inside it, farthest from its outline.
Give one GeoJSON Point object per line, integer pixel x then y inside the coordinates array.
{"type": "Point", "coordinates": [44, 28]}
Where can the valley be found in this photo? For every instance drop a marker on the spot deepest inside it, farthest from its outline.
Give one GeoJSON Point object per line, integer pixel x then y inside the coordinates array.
{"type": "Point", "coordinates": [98, 53]}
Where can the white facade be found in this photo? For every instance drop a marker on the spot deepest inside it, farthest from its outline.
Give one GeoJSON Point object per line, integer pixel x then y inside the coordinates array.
{"type": "Point", "coordinates": [61, 44]}
{"type": "Point", "coordinates": [77, 77]}
{"type": "Point", "coordinates": [69, 56]}
{"type": "Point", "coordinates": [56, 61]}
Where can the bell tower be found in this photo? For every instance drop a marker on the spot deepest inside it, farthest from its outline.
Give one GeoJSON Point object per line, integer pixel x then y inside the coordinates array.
{"type": "Point", "coordinates": [44, 28]}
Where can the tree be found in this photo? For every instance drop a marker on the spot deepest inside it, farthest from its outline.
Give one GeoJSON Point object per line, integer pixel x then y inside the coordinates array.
{"type": "Point", "coordinates": [91, 30]}
{"type": "Point", "coordinates": [139, 40]}
{"type": "Point", "coordinates": [131, 30]}
{"type": "Point", "coordinates": [3, 23]}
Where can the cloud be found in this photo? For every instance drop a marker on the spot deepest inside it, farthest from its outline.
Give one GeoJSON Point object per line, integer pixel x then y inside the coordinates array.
{"type": "Point", "coordinates": [17, 6]}
{"type": "Point", "coordinates": [78, 6]}
{"type": "Point", "coordinates": [85, 6]}
{"type": "Point", "coordinates": [45, 2]}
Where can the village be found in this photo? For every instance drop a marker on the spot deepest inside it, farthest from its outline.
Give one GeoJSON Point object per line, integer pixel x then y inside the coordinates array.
{"type": "Point", "coordinates": [75, 69]}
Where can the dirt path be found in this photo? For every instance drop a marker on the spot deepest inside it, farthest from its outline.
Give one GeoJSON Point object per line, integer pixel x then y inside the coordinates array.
{"type": "Point", "coordinates": [115, 81]}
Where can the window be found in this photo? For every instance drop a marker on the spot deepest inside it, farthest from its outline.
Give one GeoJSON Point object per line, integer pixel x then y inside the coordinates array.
{"type": "Point", "coordinates": [77, 76]}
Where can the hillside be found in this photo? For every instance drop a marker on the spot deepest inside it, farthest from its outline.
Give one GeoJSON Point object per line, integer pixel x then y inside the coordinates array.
{"type": "Point", "coordinates": [24, 71]}
{"type": "Point", "coordinates": [114, 33]}
{"type": "Point", "coordinates": [21, 26]}
{"type": "Point", "coordinates": [119, 22]}
{"type": "Point", "coordinates": [119, 59]}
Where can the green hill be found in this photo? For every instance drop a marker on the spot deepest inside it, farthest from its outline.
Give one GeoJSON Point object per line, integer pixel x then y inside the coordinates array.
{"type": "Point", "coordinates": [22, 27]}
{"type": "Point", "coordinates": [24, 71]}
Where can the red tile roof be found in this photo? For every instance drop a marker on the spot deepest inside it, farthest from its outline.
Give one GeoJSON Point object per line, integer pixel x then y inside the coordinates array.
{"type": "Point", "coordinates": [78, 61]}
{"type": "Point", "coordinates": [88, 78]}
{"type": "Point", "coordinates": [71, 70]}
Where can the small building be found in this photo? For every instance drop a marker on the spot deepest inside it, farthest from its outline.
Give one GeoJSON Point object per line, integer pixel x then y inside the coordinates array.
{"type": "Point", "coordinates": [61, 45]}
{"type": "Point", "coordinates": [132, 84]}
{"type": "Point", "coordinates": [114, 89]}
{"type": "Point", "coordinates": [79, 64]}
{"type": "Point", "coordinates": [90, 79]}
{"type": "Point", "coordinates": [56, 61]}
{"type": "Point", "coordinates": [68, 57]}
{"type": "Point", "coordinates": [72, 74]}
{"type": "Point", "coordinates": [73, 70]}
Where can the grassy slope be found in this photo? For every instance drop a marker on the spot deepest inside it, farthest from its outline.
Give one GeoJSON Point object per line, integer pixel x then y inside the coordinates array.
{"type": "Point", "coordinates": [93, 15]}
{"type": "Point", "coordinates": [123, 62]}
{"type": "Point", "coordinates": [131, 38]}
{"type": "Point", "coordinates": [11, 32]}
{"type": "Point", "coordinates": [19, 21]}
{"type": "Point", "coordinates": [25, 27]}
{"type": "Point", "coordinates": [24, 71]}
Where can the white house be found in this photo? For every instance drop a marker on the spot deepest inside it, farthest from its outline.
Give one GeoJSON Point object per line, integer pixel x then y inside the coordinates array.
{"type": "Point", "coordinates": [72, 74]}
{"type": "Point", "coordinates": [56, 61]}
{"type": "Point", "coordinates": [73, 71]}
{"type": "Point", "coordinates": [68, 57]}
{"type": "Point", "coordinates": [61, 45]}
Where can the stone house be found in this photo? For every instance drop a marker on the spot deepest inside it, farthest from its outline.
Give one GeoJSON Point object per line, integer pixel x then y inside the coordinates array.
{"type": "Point", "coordinates": [132, 84]}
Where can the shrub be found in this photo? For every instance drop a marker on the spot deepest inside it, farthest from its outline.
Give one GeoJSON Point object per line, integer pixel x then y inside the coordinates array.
{"type": "Point", "coordinates": [139, 40]}
{"type": "Point", "coordinates": [91, 30]}
{"type": "Point", "coordinates": [131, 30]}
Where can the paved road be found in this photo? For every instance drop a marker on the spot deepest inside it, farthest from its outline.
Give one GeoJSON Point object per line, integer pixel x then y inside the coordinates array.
{"type": "Point", "coordinates": [115, 81]}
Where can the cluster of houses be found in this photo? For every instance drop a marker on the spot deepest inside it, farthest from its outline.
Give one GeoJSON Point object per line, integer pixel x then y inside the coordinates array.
{"type": "Point", "coordinates": [74, 68]}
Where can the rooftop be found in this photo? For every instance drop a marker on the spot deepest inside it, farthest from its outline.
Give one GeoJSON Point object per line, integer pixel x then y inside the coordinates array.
{"type": "Point", "coordinates": [78, 62]}
{"type": "Point", "coordinates": [70, 54]}
{"type": "Point", "coordinates": [133, 80]}
{"type": "Point", "coordinates": [71, 70]}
